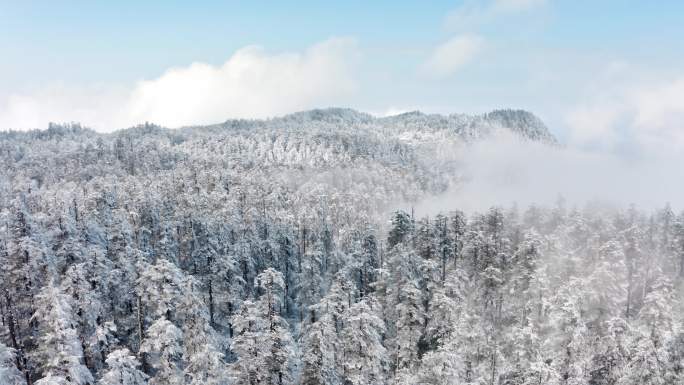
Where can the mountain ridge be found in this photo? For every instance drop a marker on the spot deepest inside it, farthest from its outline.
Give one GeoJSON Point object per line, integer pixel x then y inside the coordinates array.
{"type": "Point", "coordinates": [469, 127]}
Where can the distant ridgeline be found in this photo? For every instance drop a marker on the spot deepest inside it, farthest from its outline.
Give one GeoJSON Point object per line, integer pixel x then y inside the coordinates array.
{"type": "Point", "coordinates": [312, 140]}
{"type": "Point", "coordinates": [332, 152]}
{"type": "Point", "coordinates": [467, 127]}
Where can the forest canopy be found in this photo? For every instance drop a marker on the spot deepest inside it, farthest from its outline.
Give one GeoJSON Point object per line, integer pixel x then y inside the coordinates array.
{"type": "Point", "coordinates": [275, 252]}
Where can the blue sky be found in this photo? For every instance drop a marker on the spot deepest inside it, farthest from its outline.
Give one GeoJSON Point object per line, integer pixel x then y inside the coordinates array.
{"type": "Point", "coordinates": [111, 64]}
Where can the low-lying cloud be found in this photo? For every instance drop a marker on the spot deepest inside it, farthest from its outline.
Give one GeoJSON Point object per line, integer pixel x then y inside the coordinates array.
{"type": "Point", "coordinates": [505, 170]}
{"type": "Point", "coordinates": [99, 106]}
{"type": "Point", "coordinates": [624, 146]}
{"type": "Point", "coordinates": [252, 83]}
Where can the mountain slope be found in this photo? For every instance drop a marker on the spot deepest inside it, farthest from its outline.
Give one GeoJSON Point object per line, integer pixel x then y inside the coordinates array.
{"type": "Point", "coordinates": [264, 251]}
{"type": "Point", "coordinates": [408, 155]}
{"type": "Point", "coordinates": [466, 127]}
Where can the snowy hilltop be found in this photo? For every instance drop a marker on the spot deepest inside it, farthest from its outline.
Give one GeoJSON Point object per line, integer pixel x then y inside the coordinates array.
{"type": "Point", "coordinates": [411, 124]}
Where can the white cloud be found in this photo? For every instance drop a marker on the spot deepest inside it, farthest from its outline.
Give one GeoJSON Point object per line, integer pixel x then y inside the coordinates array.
{"type": "Point", "coordinates": [661, 107]}
{"type": "Point", "coordinates": [250, 84]}
{"type": "Point", "coordinates": [96, 106]}
{"type": "Point", "coordinates": [452, 55]}
{"type": "Point", "coordinates": [647, 117]}
{"type": "Point", "coordinates": [592, 124]}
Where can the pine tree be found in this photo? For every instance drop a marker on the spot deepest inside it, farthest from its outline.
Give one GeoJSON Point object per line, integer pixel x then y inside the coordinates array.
{"type": "Point", "coordinates": [163, 348]}
{"type": "Point", "coordinates": [402, 226]}
{"type": "Point", "coordinates": [447, 304]}
{"type": "Point", "coordinates": [122, 369]}
{"type": "Point", "coordinates": [443, 365]}
{"type": "Point", "coordinates": [400, 290]}
{"type": "Point", "coordinates": [651, 347]}
{"type": "Point", "coordinates": [612, 353]}
{"type": "Point", "coordinates": [88, 308]}
{"type": "Point", "coordinates": [159, 289]}
{"type": "Point", "coordinates": [365, 359]}
{"type": "Point", "coordinates": [102, 342]}
{"type": "Point", "coordinates": [571, 342]}
{"type": "Point", "coordinates": [409, 324]}
{"type": "Point", "coordinates": [607, 280]}
{"type": "Point", "coordinates": [22, 268]}
{"type": "Point", "coordinates": [59, 349]}
{"type": "Point", "coordinates": [9, 374]}
{"type": "Point", "coordinates": [203, 361]}
{"type": "Point", "coordinates": [310, 285]}
{"type": "Point", "coordinates": [320, 348]}
{"type": "Point", "coordinates": [322, 345]}
{"type": "Point", "coordinates": [262, 338]}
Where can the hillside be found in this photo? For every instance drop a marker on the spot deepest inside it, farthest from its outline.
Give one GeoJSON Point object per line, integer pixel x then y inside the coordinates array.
{"type": "Point", "coordinates": [334, 152]}
{"type": "Point", "coordinates": [272, 251]}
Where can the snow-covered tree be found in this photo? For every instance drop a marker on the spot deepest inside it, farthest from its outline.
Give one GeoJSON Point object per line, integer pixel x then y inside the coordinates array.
{"type": "Point", "coordinates": [9, 374]}
{"type": "Point", "coordinates": [320, 353]}
{"type": "Point", "coordinates": [59, 348]}
{"type": "Point", "coordinates": [122, 369]}
{"type": "Point", "coordinates": [262, 252]}
{"type": "Point", "coordinates": [365, 360]}
{"type": "Point", "coordinates": [203, 360]}
{"type": "Point", "coordinates": [163, 348]}
{"type": "Point", "coordinates": [262, 340]}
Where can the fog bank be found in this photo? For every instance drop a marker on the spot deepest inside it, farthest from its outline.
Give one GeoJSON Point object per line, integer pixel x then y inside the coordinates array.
{"type": "Point", "coordinates": [505, 170]}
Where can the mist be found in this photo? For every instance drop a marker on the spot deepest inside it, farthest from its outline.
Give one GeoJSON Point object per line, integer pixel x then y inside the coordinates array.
{"type": "Point", "coordinates": [505, 169]}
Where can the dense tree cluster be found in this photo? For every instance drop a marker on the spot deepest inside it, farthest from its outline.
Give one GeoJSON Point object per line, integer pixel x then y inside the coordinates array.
{"type": "Point", "coordinates": [261, 253]}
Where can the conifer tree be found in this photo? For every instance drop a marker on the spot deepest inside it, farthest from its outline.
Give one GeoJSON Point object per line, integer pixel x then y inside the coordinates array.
{"type": "Point", "coordinates": [122, 369]}
{"type": "Point", "coordinates": [59, 350]}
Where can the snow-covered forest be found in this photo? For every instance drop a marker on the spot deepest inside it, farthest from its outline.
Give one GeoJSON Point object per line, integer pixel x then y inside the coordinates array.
{"type": "Point", "coordinates": [281, 252]}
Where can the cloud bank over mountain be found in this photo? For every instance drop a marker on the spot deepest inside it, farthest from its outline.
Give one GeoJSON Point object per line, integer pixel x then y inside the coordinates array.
{"type": "Point", "coordinates": [252, 83]}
